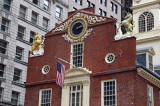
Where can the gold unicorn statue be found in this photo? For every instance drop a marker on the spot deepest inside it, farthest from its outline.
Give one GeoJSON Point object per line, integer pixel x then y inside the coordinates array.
{"type": "Point", "coordinates": [35, 45]}
{"type": "Point", "coordinates": [128, 23]}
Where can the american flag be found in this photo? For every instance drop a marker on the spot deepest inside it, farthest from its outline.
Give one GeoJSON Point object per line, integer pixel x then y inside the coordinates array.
{"type": "Point", "coordinates": [60, 74]}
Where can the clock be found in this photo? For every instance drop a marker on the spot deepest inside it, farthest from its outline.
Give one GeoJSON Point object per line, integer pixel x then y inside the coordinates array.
{"type": "Point", "coordinates": [77, 28]}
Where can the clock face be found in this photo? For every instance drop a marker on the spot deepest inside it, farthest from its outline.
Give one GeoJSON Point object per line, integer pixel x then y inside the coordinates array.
{"type": "Point", "coordinates": [77, 28]}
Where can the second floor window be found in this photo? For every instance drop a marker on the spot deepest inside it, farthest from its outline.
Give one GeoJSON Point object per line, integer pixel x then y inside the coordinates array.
{"type": "Point", "coordinates": [34, 18]}
{"type": "Point", "coordinates": [15, 98]}
{"type": "Point", "coordinates": [77, 54]}
{"type": "Point", "coordinates": [58, 12]}
{"type": "Point", "coordinates": [22, 12]}
{"type": "Point", "coordinates": [17, 74]}
{"type": "Point", "coordinates": [45, 23]}
{"type": "Point", "coordinates": [32, 37]}
{"type": "Point", "coordinates": [7, 5]}
{"type": "Point", "coordinates": [3, 47]}
{"type": "Point", "coordinates": [2, 70]}
{"type": "Point", "coordinates": [149, 95]}
{"type": "Point", "coordinates": [5, 25]}
{"type": "Point", "coordinates": [19, 53]}
{"type": "Point", "coordinates": [21, 32]}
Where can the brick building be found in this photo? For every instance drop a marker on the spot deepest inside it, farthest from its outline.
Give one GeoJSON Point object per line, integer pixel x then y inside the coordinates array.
{"type": "Point", "coordinates": [106, 72]}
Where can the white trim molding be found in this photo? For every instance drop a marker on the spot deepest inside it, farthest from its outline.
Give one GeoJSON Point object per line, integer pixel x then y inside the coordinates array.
{"type": "Point", "coordinates": [76, 76]}
{"type": "Point", "coordinates": [148, 77]}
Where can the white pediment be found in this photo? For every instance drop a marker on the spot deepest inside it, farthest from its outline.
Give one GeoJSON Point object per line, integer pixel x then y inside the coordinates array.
{"type": "Point", "coordinates": [77, 72]}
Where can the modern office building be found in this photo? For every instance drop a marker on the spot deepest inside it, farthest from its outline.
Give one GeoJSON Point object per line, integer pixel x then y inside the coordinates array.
{"type": "Point", "coordinates": [109, 8]}
{"type": "Point", "coordinates": [19, 21]}
{"type": "Point", "coordinates": [146, 16]}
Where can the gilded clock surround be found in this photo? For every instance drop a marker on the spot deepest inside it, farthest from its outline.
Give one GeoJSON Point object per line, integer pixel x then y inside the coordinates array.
{"type": "Point", "coordinates": [83, 26]}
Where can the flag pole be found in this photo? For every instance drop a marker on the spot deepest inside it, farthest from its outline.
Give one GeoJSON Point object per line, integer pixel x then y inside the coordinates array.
{"type": "Point", "coordinates": [65, 61]}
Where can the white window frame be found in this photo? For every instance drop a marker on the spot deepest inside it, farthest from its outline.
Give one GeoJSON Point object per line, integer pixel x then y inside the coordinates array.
{"type": "Point", "coordinates": [20, 72]}
{"type": "Point", "coordinates": [72, 52]}
{"type": "Point", "coordinates": [59, 13]}
{"type": "Point", "coordinates": [4, 47]}
{"type": "Point", "coordinates": [21, 54]}
{"type": "Point", "coordinates": [104, 2]}
{"type": "Point", "coordinates": [22, 33]}
{"type": "Point", "coordinates": [102, 91]}
{"type": "Point", "coordinates": [152, 101]}
{"type": "Point", "coordinates": [33, 38]}
{"type": "Point", "coordinates": [34, 20]}
{"type": "Point", "coordinates": [40, 95]}
{"type": "Point", "coordinates": [44, 25]}
{"type": "Point", "coordinates": [22, 12]}
{"type": "Point", "coordinates": [44, 5]}
{"type": "Point", "coordinates": [7, 5]}
{"type": "Point", "coordinates": [3, 70]}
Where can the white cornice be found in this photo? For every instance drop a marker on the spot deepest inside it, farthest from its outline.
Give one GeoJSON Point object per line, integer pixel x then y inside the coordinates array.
{"type": "Point", "coordinates": [144, 5]}
{"type": "Point", "coordinates": [148, 77]}
{"type": "Point", "coordinates": [148, 39]}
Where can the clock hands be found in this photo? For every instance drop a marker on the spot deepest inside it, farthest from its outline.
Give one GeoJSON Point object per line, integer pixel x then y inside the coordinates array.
{"type": "Point", "coordinates": [79, 27]}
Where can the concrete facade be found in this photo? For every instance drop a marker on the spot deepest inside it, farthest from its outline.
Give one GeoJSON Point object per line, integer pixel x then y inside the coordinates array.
{"type": "Point", "coordinates": [98, 5]}
{"type": "Point", "coordinates": [149, 38]}
{"type": "Point", "coordinates": [8, 59]}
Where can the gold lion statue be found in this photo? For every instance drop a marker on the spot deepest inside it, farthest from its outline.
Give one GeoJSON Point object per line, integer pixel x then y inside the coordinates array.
{"type": "Point", "coordinates": [36, 43]}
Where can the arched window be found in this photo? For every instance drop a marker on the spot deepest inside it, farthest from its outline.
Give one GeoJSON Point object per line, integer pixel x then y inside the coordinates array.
{"type": "Point", "coordinates": [146, 22]}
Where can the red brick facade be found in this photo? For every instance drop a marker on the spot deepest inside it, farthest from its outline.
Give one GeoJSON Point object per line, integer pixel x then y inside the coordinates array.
{"type": "Point", "coordinates": [131, 88]}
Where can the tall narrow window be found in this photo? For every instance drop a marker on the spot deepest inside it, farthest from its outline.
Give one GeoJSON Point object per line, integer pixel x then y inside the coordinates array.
{"type": "Point", "coordinates": [34, 18]}
{"type": "Point", "coordinates": [104, 13]}
{"type": "Point", "coordinates": [80, 2]}
{"type": "Point", "coordinates": [46, 5]}
{"type": "Point", "coordinates": [21, 32]}
{"type": "Point", "coordinates": [100, 11]}
{"type": "Point", "coordinates": [150, 62]}
{"type": "Point", "coordinates": [2, 70]}
{"type": "Point", "coordinates": [111, 6]}
{"type": "Point", "coordinates": [146, 22]}
{"type": "Point", "coordinates": [15, 98]}
{"type": "Point", "coordinates": [22, 12]}
{"type": "Point", "coordinates": [1, 94]}
{"type": "Point", "coordinates": [35, 2]}
{"type": "Point", "coordinates": [77, 54]}
{"type": "Point", "coordinates": [19, 53]}
{"type": "Point", "coordinates": [58, 12]}
{"type": "Point", "coordinates": [3, 47]}
{"type": "Point", "coordinates": [5, 25]}
{"type": "Point", "coordinates": [45, 97]}
{"type": "Point", "coordinates": [100, 1]}
{"type": "Point", "coordinates": [88, 3]}
{"type": "Point", "coordinates": [105, 2]}
{"type": "Point", "coordinates": [45, 23]}
{"type": "Point", "coordinates": [149, 95]}
{"type": "Point", "coordinates": [115, 9]}
{"type": "Point", "coordinates": [76, 95]}
{"type": "Point", "coordinates": [17, 75]}
{"type": "Point", "coordinates": [7, 5]}
{"type": "Point", "coordinates": [109, 93]}
{"type": "Point", "coordinates": [32, 37]}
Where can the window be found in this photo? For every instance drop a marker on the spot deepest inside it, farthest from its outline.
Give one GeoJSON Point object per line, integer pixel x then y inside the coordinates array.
{"type": "Point", "coordinates": [76, 95]}
{"type": "Point", "coordinates": [75, 1]}
{"type": "Point", "coordinates": [46, 5]}
{"type": "Point", "coordinates": [3, 47]}
{"type": "Point", "coordinates": [21, 32]}
{"type": "Point", "coordinates": [149, 95]}
{"type": "Point", "coordinates": [45, 23]}
{"type": "Point", "coordinates": [104, 2]}
{"type": "Point", "coordinates": [100, 1]}
{"type": "Point", "coordinates": [92, 5]}
{"type": "Point", "coordinates": [34, 18]}
{"type": "Point", "coordinates": [17, 75]}
{"type": "Point", "coordinates": [88, 3]}
{"type": "Point", "coordinates": [150, 62]}
{"type": "Point", "coordinates": [35, 2]}
{"type": "Point", "coordinates": [22, 12]}
{"type": "Point", "coordinates": [58, 12]}
{"type": "Point", "coordinates": [100, 11]}
{"type": "Point", "coordinates": [32, 37]}
{"type": "Point", "coordinates": [19, 52]}
{"type": "Point", "coordinates": [146, 22]}
{"type": "Point", "coordinates": [45, 97]}
{"type": "Point", "coordinates": [115, 9]}
{"type": "Point", "coordinates": [7, 5]}
{"type": "Point", "coordinates": [2, 70]}
{"type": "Point", "coordinates": [1, 93]}
{"type": "Point", "coordinates": [80, 2]}
{"type": "Point", "coordinates": [5, 25]}
{"type": "Point", "coordinates": [74, 9]}
{"type": "Point", "coordinates": [104, 13]}
{"type": "Point", "coordinates": [111, 5]}
{"type": "Point", "coordinates": [108, 93]}
{"type": "Point", "coordinates": [77, 54]}
{"type": "Point", "coordinates": [14, 99]}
